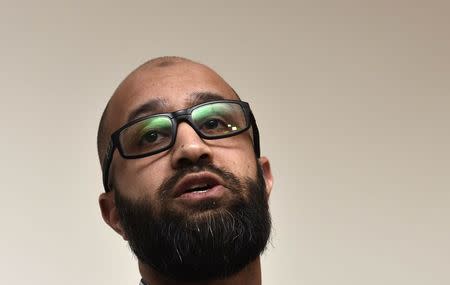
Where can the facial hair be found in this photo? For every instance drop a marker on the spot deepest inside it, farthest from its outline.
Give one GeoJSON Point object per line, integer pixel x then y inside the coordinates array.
{"type": "Point", "coordinates": [215, 244]}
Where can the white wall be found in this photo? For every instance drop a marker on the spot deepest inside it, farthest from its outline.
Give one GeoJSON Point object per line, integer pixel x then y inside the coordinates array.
{"type": "Point", "coordinates": [352, 99]}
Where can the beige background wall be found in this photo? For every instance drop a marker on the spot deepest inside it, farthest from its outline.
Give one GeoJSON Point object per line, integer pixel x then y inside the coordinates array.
{"type": "Point", "coordinates": [352, 99]}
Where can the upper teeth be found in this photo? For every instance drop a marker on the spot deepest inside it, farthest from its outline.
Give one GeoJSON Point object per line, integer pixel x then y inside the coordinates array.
{"type": "Point", "coordinates": [204, 185]}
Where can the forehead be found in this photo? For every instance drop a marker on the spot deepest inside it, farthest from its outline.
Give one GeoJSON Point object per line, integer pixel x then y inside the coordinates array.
{"type": "Point", "coordinates": [175, 85]}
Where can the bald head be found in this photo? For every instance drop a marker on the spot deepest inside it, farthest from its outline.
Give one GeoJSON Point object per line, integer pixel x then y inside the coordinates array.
{"type": "Point", "coordinates": [155, 78]}
{"type": "Point", "coordinates": [186, 157]}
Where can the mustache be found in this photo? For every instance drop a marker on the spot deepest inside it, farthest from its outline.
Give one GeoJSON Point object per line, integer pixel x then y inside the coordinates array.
{"type": "Point", "coordinates": [230, 180]}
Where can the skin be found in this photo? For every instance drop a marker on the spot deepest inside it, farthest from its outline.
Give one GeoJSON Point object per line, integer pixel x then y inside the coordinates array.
{"type": "Point", "coordinates": [137, 178]}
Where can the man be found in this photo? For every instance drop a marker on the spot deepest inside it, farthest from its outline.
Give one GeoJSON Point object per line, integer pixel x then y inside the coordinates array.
{"type": "Point", "coordinates": [184, 182]}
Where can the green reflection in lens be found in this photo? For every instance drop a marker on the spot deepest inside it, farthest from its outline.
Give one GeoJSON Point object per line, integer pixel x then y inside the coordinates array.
{"type": "Point", "coordinates": [218, 119]}
{"type": "Point", "coordinates": [156, 123]}
{"type": "Point", "coordinates": [211, 110]}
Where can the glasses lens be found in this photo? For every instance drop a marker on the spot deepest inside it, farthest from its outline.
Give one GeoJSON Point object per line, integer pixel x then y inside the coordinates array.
{"type": "Point", "coordinates": [218, 119]}
{"type": "Point", "coordinates": [146, 136]}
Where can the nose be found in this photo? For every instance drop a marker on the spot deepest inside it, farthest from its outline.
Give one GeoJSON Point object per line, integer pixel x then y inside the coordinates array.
{"type": "Point", "coordinates": [189, 148]}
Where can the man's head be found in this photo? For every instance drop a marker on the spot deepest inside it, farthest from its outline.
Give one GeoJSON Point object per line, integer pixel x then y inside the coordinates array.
{"type": "Point", "coordinates": [192, 201]}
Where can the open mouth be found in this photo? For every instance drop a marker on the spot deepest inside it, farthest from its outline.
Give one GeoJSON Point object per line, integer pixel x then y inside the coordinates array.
{"type": "Point", "coordinates": [199, 188]}
{"type": "Point", "coordinates": [197, 184]}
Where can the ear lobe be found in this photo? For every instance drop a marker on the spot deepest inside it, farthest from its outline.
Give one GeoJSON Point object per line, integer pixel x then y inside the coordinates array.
{"type": "Point", "coordinates": [267, 173]}
{"type": "Point", "coordinates": [109, 212]}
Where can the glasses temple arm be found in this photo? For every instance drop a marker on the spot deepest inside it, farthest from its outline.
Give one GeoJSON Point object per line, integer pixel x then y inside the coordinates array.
{"type": "Point", "coordinates": [107, 164]}
{"type": "Point", "coordinates": [255, 130]}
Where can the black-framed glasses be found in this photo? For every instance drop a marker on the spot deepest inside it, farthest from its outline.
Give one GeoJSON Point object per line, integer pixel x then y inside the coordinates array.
{"type": "Point", "coordinates": [156, 133]}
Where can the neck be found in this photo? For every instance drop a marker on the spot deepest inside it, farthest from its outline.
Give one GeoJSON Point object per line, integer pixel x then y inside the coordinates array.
{"type": "Point", "coordinates": [250, 275]}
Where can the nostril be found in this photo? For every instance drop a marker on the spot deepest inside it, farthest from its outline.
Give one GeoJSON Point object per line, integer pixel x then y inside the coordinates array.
{"type": "Point", "coordinates": [204, 156]}
{"type": "Point", "coordinates": [186, 161]}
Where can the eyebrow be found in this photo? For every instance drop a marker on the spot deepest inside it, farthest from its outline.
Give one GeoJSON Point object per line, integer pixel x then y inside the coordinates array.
{"type": "Point", "coordinates": [159, 105]}
{"type": "Point", "coordinates": [151, 106]}
{"type": "Point", "coordinates": [203, 97]}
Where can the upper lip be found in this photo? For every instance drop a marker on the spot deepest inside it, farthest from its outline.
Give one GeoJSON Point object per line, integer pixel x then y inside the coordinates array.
{"type": "Point", "coordinates": [196, 180]}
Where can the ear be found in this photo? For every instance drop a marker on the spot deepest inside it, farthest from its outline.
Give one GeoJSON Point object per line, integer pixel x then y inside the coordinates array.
{"type": "Point", "coordinates": [267, 173]}
{"type": "Point", "coordinates": [109, 212]}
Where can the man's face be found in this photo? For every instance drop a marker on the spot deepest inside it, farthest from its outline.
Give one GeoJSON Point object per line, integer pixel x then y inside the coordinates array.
{"type": "Point", "coordinates": [189, 188]}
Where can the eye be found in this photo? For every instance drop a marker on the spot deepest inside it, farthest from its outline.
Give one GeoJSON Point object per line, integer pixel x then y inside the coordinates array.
{"type": "Point", "coordinates": [211, 124]}
{"type": "Point", "coordinates": [214, 125]}
{"type": "Point", "coordinates": [153, 138]}
{"type": "Point", "coordinates": [149, 137]}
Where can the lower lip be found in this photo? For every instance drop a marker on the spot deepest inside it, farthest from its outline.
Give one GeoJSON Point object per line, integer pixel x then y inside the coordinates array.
{"type": "Point", "coordinates": [214, 192]}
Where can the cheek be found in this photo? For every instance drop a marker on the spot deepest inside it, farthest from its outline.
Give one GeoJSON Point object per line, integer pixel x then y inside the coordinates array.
{"type": "Point", "coordinates": [138, 178]}
{"type": "Point", "coordinates": [243, 164]}
{"type": "Point", "coordinates": [237, 156]}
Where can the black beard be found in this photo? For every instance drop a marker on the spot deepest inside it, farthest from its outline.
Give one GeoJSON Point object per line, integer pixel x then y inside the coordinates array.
{"type": "Point", "coordinates": [214, 244]}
